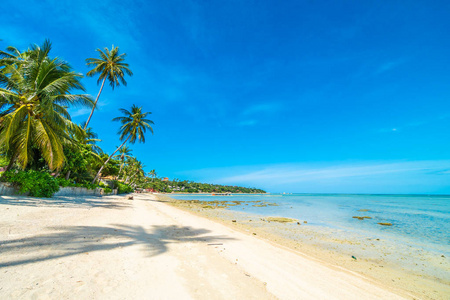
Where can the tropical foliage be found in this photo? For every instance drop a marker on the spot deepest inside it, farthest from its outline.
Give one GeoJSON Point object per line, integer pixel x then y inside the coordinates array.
{"type": "Point", "coordinates": [37, 133]}
{"type": "Point", "coordinates": [121, 187]}
{"type": "Point", "coordinates": [124, 155]}
{"type": "Point", "coordinates": [186, 186]}
{"type": "Point", "coordinates": [35, 93]}
{"type": "Point", "coordinates": [134, 126]}
{"type": "Point", "coordinates": [109, 66]}
{"type": "Point", "coordinates": [37, 184]}
{"type": "Point", "coordinates": [41, 148]}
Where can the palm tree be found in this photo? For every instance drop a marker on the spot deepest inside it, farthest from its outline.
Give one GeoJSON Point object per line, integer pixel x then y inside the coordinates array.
{"type": "Point", "coordinates": [88, 137]}
{"type": "Point", "coordinates": [135, 170]}
{"type": "Point", "coordinates": [85, 143]}
{"type": "Point", "coordinates": [139, 173]}
{"type": "Point", "coordinates": [125, 153]}
{"type": "Point", "coordinates": [35, 92]}
{"type": "Point", "coordinates": [134, 126]}
{"type": "Point", "coordinates": [153, 174]}
{"type": "Point", "coordinates": [110, 66]}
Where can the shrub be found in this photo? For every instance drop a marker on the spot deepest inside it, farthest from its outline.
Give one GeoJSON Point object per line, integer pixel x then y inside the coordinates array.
{"type": "Point", "coordinates": [63, 182]}
{"type": "Point", "coordinates": [102, 185]}
{"type": "Point", "coordinates": [3, 161]}
{"type": "Point", "coordinates": [87, 185]}
{"type": "Point", "coordinates": [37, 184]}
{"type": "Point", "coordinates": [107, 190]}
{"type": "Point", "coordinates": [122, 188]}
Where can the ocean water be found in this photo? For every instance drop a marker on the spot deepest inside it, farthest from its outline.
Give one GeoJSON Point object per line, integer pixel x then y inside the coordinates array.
{"type": "Point", "coordinates": [419, 221]}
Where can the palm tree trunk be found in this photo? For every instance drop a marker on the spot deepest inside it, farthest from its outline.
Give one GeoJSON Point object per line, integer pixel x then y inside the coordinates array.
{"type": "Point", "coordinates": [132, 176]}
{"type": "Point", "coordinates": [120, 170]}
{"type": "Point", "coordinates": [109, 158]}
{"type": "Point", "coordinates": [95, 104]}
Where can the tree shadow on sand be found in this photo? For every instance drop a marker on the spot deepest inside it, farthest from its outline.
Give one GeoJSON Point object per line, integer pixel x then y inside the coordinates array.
{"type": "Point", "coordinates": [68, 241]}
{"type": "Point", "coordinates": [66, 201]}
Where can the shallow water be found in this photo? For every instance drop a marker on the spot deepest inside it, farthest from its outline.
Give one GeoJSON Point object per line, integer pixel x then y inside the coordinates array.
{"type": "Point", "coordinates": [413, 254]}
{"type": "Point", "coordinates": [421, 221]}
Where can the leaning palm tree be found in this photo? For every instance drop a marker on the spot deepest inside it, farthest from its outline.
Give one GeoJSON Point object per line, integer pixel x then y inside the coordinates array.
{"type": "Point", "coordinates": [153, 174]}
{"type": "Point", "coordinates": [35, 92]}
{"type": "Point", "coordinates": [134, 126]}
{"type": "Point", "coordinates": [87, 137]}
{"type": "Point", "coordinates": [110, 66]}
{"type": "Point", "coordinates": [138, 173]}
{"type": "Point", "coordinates": [134, 167]}
{"type": "Point", "coordinates": [125, 153]}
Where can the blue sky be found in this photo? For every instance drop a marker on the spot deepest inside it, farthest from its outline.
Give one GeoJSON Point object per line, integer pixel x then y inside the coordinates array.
{"type": "Point", "coordinates": [290, 96]}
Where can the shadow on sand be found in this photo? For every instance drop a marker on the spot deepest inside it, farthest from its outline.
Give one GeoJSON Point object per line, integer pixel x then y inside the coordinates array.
{"type": "Point", "coordinates": [68, 241]}
{"type": "Point", "coordinates": [66, 201]}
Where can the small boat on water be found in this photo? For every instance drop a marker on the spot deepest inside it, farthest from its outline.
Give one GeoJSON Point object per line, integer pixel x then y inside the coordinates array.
{"type": "Point", "coordinates": [221, 194]}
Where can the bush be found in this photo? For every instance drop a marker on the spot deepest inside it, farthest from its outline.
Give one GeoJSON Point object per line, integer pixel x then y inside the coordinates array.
{"type": "Point", "coordinates": [102, 185]}
{"type": "Point", "coordinates": [122, 188]}
{"type": "Point", "coordinates": [87, 185]}
{"type": "Point", "coordinates": [3, 161]}
{"type": "Point", "coordinates": [107, 190]}
{"type": "Point", "coordinates": [63, 182]}
{"type": "Point", "coordinates": [37, 184]}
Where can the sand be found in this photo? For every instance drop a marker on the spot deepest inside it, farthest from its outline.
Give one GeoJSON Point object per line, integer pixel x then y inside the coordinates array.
{"type": "Point", "coordinates": [113, 248]}
{"type": "Point", "coordinates": [408, 270]}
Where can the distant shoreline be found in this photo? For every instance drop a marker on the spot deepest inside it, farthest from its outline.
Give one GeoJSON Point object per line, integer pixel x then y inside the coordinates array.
{"type": "Point", "coordinates": [314, 194]}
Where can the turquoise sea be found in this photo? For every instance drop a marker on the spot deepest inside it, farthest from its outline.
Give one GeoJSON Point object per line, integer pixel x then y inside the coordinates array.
{"type": "Point", "coordinates": [420, 221]}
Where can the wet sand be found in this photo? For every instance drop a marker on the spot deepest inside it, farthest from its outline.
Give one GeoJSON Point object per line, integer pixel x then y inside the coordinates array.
{"type": "Point", "coordinates": [415, 272]}
{"type": "Point", "coordinates": [114, 248]}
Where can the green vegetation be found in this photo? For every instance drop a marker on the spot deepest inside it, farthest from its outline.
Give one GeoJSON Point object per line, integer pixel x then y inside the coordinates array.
{"type": "Point", "coordinates": [186, 186]}
{"type": "Point", "coordinates": [64, 183]}
{"type": "Point", "coordinates": [3, 161]}
{"type": "Point", "coordinates": [38, 140]}
{"type": "Point", "coordinates": [37, 184]}
{"type": "Point", "coordinates": [110, 66]}
{"type": "Point", "coordinates": [134, 126]}
{"type": "Point", "coordinates": [125, 153]}
{"type": "Point", "coordinates": [122, 188]}
{"type": "Point", "coordinates": [41, 148]}
{"type": "Point", "coordinates": [35, 95]}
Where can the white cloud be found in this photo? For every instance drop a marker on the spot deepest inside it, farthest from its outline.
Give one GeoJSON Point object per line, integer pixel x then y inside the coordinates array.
{"type": "Point", "coordinates": [363, 177]}
{"type": "Point", "coordinates": [304, 173]}
{"type": "Point", "coordinates": [80, 112]}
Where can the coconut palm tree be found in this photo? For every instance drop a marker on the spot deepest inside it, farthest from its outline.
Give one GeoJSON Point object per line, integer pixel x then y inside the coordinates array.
{"type": "Point", "coordinates": [88, 137]}
{"type": "Point", "coordinates": [134, 170]}
{"type": "Point", "coordinates": [85, 145]}
{"type": "Point", "coordinates": [125, 153]}
{"type": "Point", "coordinates": [35, 92]}
{"type": "Point", "coordinates": [153, 174]}
{"type": "Point", "coordinates": [134, 126]}
{"type": "Point", "coordinates": [138, 174]}
{"type": "Point", "coordinates": [110, 66]}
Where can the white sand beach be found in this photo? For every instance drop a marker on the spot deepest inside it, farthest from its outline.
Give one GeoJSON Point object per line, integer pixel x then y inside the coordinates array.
{"type": "Point", "coordinates": [114, 248]}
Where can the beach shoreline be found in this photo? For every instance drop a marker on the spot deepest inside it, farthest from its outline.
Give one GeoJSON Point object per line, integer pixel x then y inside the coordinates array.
{"type": "Point", "coordinates": [115, 248]}
{"type": "Point", "coordinates": [332, 247]}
